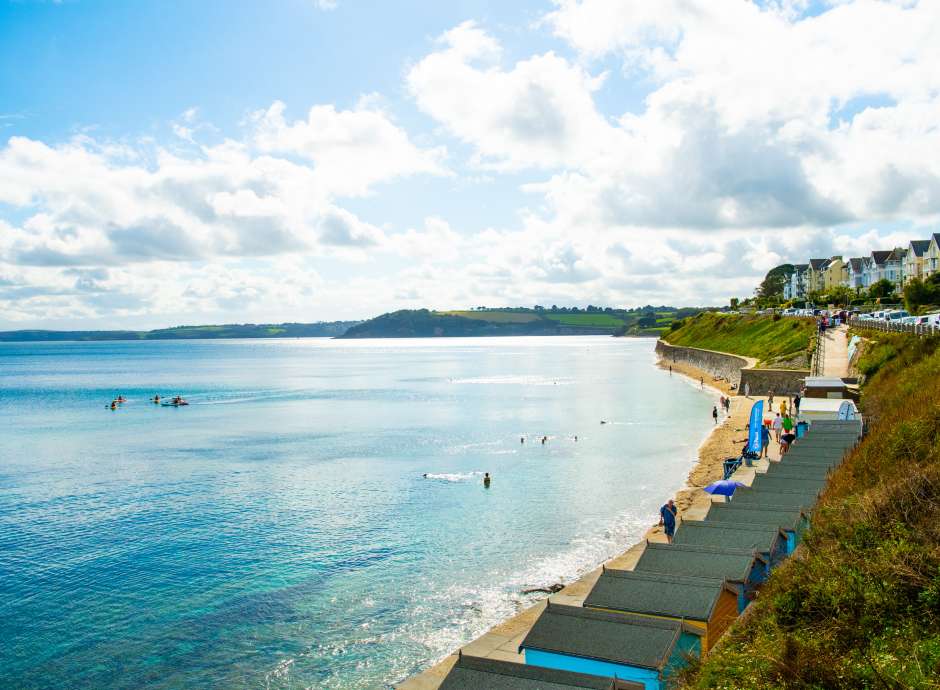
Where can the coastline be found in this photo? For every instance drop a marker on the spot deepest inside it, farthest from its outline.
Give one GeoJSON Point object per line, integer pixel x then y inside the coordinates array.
{"type": "Point", "coordinates": [502, 641]}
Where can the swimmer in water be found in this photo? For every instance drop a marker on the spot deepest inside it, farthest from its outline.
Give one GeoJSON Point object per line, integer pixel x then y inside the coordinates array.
{"type": "Point", "coordinates": [522, 439]}
{"type": "Point", "coordinates": [486, 480]}
{"type": "Point", "coordinates": [113, 404]}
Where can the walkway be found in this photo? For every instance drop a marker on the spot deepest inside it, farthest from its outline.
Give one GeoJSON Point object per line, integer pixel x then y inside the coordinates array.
{"type": "Point", "coordinates": [836, 352]}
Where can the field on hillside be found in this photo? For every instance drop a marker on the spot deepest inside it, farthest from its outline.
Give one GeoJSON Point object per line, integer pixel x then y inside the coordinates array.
{"type": "Point", "coordinates": [495, 316]}
{"type": "Point", "coordinates": [760, 337]}
{"type": "Point", "coordinates": [859, 607]}
{"type": "Point", "coordinates": [593, 319]}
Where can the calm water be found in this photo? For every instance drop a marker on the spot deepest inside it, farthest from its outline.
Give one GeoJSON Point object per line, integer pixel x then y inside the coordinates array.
{"type": "Point", "coordinates": [278, 532]}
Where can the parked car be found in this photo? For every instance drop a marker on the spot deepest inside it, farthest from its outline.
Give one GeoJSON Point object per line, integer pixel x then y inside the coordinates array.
{"type": "Point", "coordinates": [895, 315]}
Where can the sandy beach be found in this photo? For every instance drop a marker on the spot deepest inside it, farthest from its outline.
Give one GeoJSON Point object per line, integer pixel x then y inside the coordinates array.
{"type": "Point", "coordinates": [502, 641]}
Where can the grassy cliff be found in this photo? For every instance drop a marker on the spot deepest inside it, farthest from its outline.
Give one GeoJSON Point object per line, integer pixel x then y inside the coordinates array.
{"type": "Point", "coordinates": [772, 341]}
{"type": "Point", "coordinates": [858, 606]}
{"type": "Point", "coordinates": [422, 323]}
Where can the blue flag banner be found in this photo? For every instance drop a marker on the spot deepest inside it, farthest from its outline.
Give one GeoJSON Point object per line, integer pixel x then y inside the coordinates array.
{"type": "Point", "coordinates": [753, 433]}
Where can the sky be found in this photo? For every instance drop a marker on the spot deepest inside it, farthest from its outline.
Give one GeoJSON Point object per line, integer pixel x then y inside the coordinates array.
{"type": "Point", "coordinates": [239, 161]}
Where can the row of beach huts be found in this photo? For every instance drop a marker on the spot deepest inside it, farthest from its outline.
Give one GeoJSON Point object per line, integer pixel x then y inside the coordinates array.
{"type": "Point", "coordinates": [637, 628]}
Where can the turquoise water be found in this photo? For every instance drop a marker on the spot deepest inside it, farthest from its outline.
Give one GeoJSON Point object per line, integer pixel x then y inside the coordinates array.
{"type": "Point", "coordinates": [279, 531]}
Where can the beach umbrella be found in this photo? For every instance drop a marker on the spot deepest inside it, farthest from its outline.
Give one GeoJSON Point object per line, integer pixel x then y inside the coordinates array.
{"type": "Point", "coordinates": [725, 487]}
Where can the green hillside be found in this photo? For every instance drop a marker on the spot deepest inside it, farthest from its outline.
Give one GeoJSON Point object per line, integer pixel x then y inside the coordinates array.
{"type": "Point", "coordinates": [858, 606]}
{"type": "Point", "coordinates": [423, 323]}
{"type": "Point", "coordinates": [770, 340]}
{"type": "Point", "coordinates": [244, 330]}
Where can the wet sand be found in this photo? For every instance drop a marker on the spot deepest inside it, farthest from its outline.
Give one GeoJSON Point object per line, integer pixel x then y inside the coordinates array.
{"type": "Point", "coordinates": [502, 641]}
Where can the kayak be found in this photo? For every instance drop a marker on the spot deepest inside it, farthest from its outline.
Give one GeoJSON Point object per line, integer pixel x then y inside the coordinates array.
{"type": "Point", "coordinates": [173, 404]}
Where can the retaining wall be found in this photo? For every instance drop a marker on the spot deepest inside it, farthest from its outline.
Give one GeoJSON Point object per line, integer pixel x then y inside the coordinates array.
{"type": "Point", "coordinates": [715, 363]}
{"type": "Point", "coordinates": [780, 381]}
{"type": "Point", "coordinates": [735, 369]}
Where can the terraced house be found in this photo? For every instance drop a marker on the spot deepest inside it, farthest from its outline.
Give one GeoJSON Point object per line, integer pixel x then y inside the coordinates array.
{"type": "Point", "coordinates": [914, 260]}
{"type": "Point", "coordinates": [932, 256]}
{"type": "Point", "coordinates": [815, 271]}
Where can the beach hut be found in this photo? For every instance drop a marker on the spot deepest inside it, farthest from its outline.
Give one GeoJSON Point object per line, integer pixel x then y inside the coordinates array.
{"type": "Point", "coordinates": [771, 482]}
{"type": "Point", "coordinates": [824, 387]}
{"type": "Point", "coordinates": [793, 521]}
{"type": "Point", "coordinates": [778, 498]}
{"type": "Point", "coordinates": [709, 605]}
{"type": "Point", "coordinates": [635, 648]}
{"type": "Point", "coordinates": [744, 569]}
{"type": "Point", "coordinates": [768, 541]}
{"type": "Point", "coordinates": [814, 409]}
{"type": "Point", "coordinates": [798, 470]}
{"type": "Point", "coordinates": [475, 673]}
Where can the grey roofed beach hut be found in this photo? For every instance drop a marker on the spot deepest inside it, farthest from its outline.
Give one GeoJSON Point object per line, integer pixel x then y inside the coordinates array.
{"type": "Point", "coordinates": [769, 541]}
{"type": "Point", "coordinates": [636, 648]}
{"type": "Point", "coordinates": [766, 497]}
{"type": "Point", "coordinates": [798, 470]}
{"type": "Point", "coordinates": [744, 569]}
{"type": "Point", "coordinates": [709, 604]}
{"type": "Point", "coordinates": [775, 483]}
{"type": "Point", "coordinates": [793, 521]}
{"type": "Point", "coordinates": [476, 673]}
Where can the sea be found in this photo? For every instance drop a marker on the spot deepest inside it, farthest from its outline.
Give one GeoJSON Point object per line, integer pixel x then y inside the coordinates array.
{"type": "Point", "coordinates": [316, 516]}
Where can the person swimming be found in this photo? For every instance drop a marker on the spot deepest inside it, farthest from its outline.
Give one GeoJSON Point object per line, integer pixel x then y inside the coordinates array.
{"type": "Point", "coordinates": [156, 399]}
{"type": "Point", "coordinates": [486, 480]}
{"type": "Point", "coordinates": [114, 404]}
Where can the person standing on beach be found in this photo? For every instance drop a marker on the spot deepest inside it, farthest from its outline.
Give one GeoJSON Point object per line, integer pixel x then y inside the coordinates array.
{"type": "Point", "coordinates": [764, 440]}
{"type": "Point", "coordinates": [701, 381]}
{"type": "Point", "coordinates": [747, 390]}
{"type": "Point", "coordinates": [770, 400]}
{"type": "Point", "coordinates": [715, 414]}
{"type": "Point", "coordinates": [787, 424]}
{"type": "Point", "coordinates": [728, 404]}
{"type": "Point", "coordinates": [796, 404]}
{"type": "Point", "coordinates": [667, 518]}
{"type": "Point", "coordinates": [777, 425]}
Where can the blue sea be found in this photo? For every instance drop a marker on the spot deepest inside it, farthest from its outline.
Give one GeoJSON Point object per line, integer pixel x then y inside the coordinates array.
{"type": "Point", "coordinates": [316, 517]}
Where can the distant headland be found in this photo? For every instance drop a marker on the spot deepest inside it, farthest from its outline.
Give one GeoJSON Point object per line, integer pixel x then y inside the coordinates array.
{"type": "Point", "coordinates": [413, 323]}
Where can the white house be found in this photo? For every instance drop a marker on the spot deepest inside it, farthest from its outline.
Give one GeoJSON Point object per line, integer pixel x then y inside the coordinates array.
{"type": "Point", "coordinates": [932, 256]}
{"type": "Point", "coordinates": [855, 273]}
{"type": "Point", "coordinates": [914, 261]}
{"type": "Point", "coordinates": [795, 287]}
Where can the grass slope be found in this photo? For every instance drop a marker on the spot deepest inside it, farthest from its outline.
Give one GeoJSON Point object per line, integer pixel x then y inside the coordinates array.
{"type": "Point", "coordinates": [761, 337]}
{"type": "Point", "coordinates": [859, 605]}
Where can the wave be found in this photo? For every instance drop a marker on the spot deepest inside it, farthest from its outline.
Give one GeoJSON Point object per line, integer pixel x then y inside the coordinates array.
{"type": "Point", "coordinates": [452, 476]}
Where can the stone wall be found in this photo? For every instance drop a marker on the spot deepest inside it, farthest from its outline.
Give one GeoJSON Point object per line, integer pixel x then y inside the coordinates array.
{"type": "Point", "coordinates": [717, 364]}
{"type": "Point", "coordinates": [735, 369]}
{"type": "Point", "coordinates": [780, 381]}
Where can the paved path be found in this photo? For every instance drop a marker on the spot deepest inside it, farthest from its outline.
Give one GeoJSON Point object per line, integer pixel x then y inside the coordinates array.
{"type": "Point", "coordinates": [836, 360]}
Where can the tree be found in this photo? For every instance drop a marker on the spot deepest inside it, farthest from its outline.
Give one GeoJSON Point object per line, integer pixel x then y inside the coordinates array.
{"type": "Point", "coordinates": [647, 321]}
{"type": "Point", "coordinates": [772, 284]}
{"type": "Point", "coordinates": [881, 289]}
{"type": "Point", "coordinates": [841, 295]}
{"type": "Point", "coordinates": [919, 293]}
{"type": "Point", "coordinates": [734, 303]}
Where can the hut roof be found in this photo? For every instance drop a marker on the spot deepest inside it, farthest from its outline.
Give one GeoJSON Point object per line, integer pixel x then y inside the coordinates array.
{"type": "Point", "coordinates": [473, 673]}
{"type": "Point", "coordinates": [613, 637]}
{"type": "Point", "coordinates": [784, 518]}
{"type": "Point", "coordinates": [723, 534]}
{"type": "Point", "coordinates": [656, 594]}
{"type": "Point", "coordinates": [703, 561]}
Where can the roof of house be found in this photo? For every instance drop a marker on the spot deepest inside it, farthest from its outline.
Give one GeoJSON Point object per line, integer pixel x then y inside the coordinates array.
{"type": "Point", "coordinates": [879, 257]}
{"type": "Point", "coordinates": [785, 518]}
{"type": "Point", "coordinates": [935, 238]}
{"type": "Point", "coordinates": [857, 264]}
{"type": "Point", "coordinates": [918, 247]}
{"type": "Point", "coordinates": [703, 561]}
{"type": "Point", "coordinates": [473, 673]}
{"type": "Point", "coordinates": [658, 594]}
{"type": "Point", "coordinates": [818, 264]}
{"type": "Point", "coordinates": [727, 535]}
{"type": "Point", "coordinates": [613, 637]}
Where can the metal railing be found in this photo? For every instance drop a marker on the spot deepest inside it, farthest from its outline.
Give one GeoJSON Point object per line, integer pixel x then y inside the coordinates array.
{"type": "Point", "coordinates": [895, 326]}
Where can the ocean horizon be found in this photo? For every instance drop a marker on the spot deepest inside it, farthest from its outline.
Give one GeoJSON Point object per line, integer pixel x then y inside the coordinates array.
{"type": "Point", "coordinates": [316, 516]}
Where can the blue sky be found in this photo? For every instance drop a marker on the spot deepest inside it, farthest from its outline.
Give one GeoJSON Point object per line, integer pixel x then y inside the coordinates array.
{"type": "Point", "coordinates": [302, 160]}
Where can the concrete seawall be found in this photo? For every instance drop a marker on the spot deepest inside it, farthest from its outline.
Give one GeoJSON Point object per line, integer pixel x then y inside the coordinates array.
{"type": "Point", "coordinates": [736, 369]}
